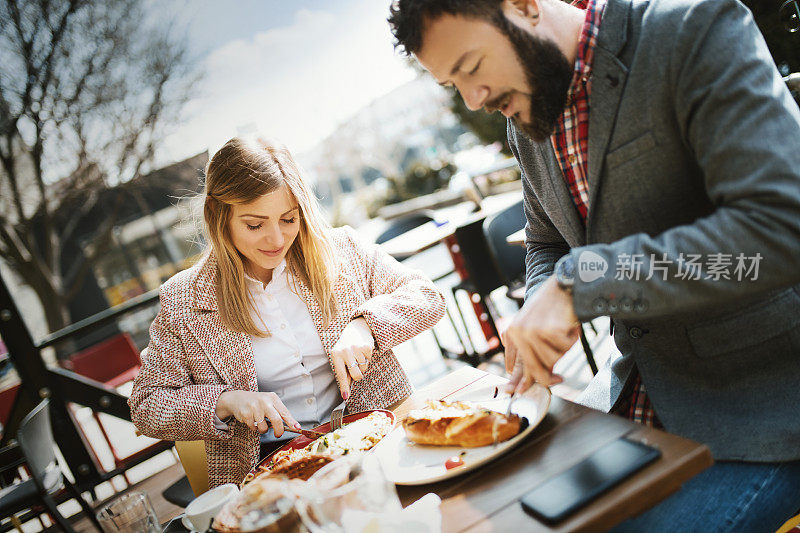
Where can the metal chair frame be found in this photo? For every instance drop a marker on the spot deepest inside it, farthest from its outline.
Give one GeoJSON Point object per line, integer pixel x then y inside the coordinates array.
{"type": "Point", "coordinates": [35, 439]}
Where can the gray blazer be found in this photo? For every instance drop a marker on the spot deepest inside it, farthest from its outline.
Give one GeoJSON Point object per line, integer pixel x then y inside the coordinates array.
{"type": "Point", "coordinates": [694, 148]}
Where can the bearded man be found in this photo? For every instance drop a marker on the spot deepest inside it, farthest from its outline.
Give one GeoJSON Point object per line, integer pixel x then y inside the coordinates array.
{"type": "Point", "coordinates": [660, 153]}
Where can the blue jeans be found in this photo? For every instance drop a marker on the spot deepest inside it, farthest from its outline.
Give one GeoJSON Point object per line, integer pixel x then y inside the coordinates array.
{"type": "Point", "coordinates": [729, 497]}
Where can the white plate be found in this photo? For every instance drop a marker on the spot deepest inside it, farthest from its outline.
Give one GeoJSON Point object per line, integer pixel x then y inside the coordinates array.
{"type": "Point", "coordinates": [407, 463]}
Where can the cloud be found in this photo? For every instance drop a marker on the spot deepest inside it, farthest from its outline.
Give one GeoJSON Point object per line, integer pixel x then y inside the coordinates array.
{"type": "Point", "coordinates": [294, 82]}
{"type": "Point", "coordinates": [271, 55]}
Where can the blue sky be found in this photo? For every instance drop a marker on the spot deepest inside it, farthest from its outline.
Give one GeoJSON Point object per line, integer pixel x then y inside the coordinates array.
{"type": "Point", "coordinates": [292, 70]}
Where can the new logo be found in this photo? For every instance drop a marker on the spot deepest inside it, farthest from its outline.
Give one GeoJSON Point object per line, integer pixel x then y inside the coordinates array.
{"type": "Point", "coordinates": [591, 266]}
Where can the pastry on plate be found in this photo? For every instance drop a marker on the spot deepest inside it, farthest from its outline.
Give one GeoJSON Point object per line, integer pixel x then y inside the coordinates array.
{"type": "Point", "coordinates": [444, 423]}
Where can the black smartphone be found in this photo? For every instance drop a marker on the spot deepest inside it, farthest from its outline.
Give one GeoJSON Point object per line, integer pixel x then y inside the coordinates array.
{"type": "Point", "coordinates": [560, 496]}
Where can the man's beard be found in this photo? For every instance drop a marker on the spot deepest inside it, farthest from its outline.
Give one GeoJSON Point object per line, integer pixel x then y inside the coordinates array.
{"type": "Point", "coordinates": [549, 74]}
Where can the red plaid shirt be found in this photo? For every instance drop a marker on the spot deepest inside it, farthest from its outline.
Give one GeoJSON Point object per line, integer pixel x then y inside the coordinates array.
{"type": "Point", "coordinates": [571, 137]}
{"type": "Point", "coordinates": [571, 144]}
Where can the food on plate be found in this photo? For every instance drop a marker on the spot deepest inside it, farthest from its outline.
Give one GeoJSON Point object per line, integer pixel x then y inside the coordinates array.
{"type": "Point", "coordinates": [444, 423]}
{"type": "Point", "coordinates": [303, 466]}
{"type": "Point", "coordinates": [454, 462]}
{"type": "Point", "coordinates": [357, 436]}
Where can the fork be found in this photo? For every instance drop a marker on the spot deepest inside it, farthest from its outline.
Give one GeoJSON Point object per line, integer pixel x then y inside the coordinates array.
{"type": "Point", "coordinates": [337, 415]}
{"type": "Point", "coordinates": [508, 412]}
{"type": "Point", "coordinates": [514, 396]}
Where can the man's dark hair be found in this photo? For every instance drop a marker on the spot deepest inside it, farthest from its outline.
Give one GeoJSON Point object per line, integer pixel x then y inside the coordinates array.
{"type": "Point", "coordinates": [407, 17]}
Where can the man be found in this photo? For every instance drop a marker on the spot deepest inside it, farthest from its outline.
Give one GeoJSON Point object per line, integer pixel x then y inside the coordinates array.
{"type": "Point", "coordinates": [660, 153]}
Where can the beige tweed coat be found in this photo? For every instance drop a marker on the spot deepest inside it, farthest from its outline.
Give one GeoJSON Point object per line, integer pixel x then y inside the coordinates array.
{"type": "Point", "coordinates": [192, 358]}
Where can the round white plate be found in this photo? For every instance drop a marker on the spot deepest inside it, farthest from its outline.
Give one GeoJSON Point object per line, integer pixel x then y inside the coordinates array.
{"type": "Point", "coordinates": [407, 463]}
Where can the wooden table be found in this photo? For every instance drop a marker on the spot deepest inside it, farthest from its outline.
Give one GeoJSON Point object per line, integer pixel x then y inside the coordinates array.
{"type": "Point", "coordinates": [486, 499]}
{"type": "Point", "coordinates": [517, 238]}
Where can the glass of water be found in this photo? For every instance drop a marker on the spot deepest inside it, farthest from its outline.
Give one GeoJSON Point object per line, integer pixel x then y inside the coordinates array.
{"type": "Point", "coordinates": [130, 513]}
{"type": "Point", "coordinates": [273, 511]}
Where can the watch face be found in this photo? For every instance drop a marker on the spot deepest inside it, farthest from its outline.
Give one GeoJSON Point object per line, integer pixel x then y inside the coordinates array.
{"type": "Point", "coordinates": [565, 273]}
{"type": "Point", "coordinates": [568, 268]}
{"type": "Point", "coordinates": [565, 270]}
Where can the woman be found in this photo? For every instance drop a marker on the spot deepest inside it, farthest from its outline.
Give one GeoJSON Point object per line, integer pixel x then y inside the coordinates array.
{"type": "Point", "coordinates": [282, 319]}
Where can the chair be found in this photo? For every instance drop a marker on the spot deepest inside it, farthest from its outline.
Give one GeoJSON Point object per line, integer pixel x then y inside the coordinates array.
{"type": "Point", "coordinates": [7, 397]}
{"type": "Point", "coordinates": [35, 439]}
{"type": "Point", "coordinates": [113, 362]}
{"type": "Point", "coordinates": [403, 224]}
{"type": "Point", "coordinates": [406, 223]}
{"type": "Point", "coordinates": [791, 525]}
{"type": "Point", "coordinates": [480, 277]}
{"type": "Point", "coordinates": [509, 259]}
{"type": "Point", "coordinates": [193, 458]}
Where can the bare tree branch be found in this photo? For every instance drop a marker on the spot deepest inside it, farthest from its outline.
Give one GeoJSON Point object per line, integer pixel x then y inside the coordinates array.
{"type": "Point", "coordinates": [9, 167]}
{"type": "Point", "coordinates": [15, 250]}
{"type": "Point", "coordinates": [86, 89]}
{"type": "Point", "coordinates": [75, 277]}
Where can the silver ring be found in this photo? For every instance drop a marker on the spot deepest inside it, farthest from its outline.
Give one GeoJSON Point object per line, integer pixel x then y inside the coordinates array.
{"type": "Point", "coordinates": [363, 364]}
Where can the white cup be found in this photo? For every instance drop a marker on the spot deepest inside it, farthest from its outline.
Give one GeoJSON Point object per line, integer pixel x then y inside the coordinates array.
{"type": "Point", "coordinates": [202, 510]}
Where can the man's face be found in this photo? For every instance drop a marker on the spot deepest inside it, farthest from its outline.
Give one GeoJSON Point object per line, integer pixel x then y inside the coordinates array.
{"type": "Point", "coordinates": [502, 68]}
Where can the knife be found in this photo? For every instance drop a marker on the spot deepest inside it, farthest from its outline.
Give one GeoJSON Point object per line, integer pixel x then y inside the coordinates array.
{"type": "Point", "coordinates": [308, 433]}
{"type": "Point", "coordinates": [313, 435]}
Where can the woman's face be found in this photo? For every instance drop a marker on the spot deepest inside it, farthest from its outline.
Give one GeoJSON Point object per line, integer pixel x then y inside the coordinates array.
{"type": "Point", "coordinates": [263, 231]}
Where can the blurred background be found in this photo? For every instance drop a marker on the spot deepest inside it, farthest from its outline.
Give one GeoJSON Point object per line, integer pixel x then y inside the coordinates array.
{"type": "Point", "coordinates": [109, 111]}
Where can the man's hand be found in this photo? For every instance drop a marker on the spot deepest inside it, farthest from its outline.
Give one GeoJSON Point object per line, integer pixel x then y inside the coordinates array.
{"type": "Point", "coordinates": [539, 335]}
{"type": "Point", "coordinates": [352, 353]}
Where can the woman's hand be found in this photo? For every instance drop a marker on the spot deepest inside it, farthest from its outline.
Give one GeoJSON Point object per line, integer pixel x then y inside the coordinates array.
{"type": "Point", "coordinates": [352, 353]}
{"type": "Point", "coordinates": [252, 408]}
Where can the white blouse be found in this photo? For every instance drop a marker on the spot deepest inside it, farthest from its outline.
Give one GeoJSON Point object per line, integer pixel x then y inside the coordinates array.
{"type": "Point", "coordinates": [291, 362]}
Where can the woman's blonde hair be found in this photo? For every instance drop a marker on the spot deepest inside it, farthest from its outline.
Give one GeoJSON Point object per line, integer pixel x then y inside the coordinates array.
{"type": "Point", "coordinates": [240, 172]}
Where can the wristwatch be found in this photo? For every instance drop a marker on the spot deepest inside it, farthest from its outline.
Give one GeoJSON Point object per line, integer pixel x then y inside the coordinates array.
{"type": "Point", "coordinates": [565, 273]}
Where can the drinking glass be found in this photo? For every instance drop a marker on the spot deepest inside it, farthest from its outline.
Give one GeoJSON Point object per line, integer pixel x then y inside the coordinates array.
{"type": "Point", "coordinates": [273, 511]}
{"type": "Point", "coordinates": [344, 493]}
{"type": "Point", "coordinates": [130, 513]}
